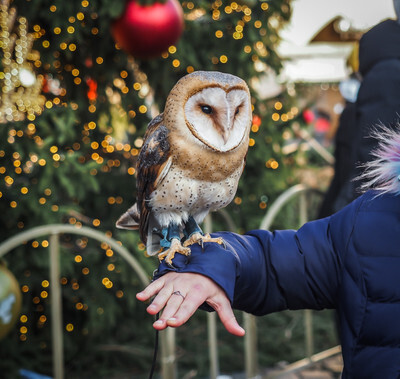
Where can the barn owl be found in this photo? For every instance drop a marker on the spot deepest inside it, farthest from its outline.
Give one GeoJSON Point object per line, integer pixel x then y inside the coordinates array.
{"type": "Point", "coordinates": [190, 163]}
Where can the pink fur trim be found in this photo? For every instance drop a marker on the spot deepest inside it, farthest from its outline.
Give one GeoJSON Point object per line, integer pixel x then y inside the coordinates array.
{"type": "Point", "coordinates": [383, 172]}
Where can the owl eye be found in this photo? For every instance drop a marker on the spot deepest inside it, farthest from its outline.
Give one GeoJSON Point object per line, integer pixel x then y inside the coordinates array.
{"type": "Point", "coordinates": [237, 111]}
{"type": "Point", "coordinates": [206, 109]}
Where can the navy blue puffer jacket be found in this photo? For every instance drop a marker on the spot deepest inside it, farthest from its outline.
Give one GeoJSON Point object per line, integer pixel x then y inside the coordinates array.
{"type": "Point", "coordinates": [349, 261]}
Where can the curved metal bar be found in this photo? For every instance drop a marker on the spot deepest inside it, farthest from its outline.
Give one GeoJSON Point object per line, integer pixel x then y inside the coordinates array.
{"type": "Point", "coordinates": [52, 229]}
{"type": "Point", "coordinates": [228, 219]}
{"type": "Point", "coordinates": [282, 200]}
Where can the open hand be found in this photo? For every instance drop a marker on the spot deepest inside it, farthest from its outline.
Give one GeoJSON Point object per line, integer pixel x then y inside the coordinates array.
{"type": "Point", "coordinates": [181, 294]}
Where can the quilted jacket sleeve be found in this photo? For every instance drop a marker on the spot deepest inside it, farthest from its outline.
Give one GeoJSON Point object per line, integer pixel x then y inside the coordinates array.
{"type": "Point", "coordinates": [263, 272]}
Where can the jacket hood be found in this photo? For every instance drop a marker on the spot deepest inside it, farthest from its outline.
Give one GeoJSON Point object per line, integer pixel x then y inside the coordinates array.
{"type": "Point", "coordinates": [380, 43]}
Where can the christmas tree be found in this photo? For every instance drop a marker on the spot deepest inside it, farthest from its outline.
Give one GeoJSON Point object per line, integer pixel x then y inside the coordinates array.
{"type": "Point", "coordinates": [74, 107]}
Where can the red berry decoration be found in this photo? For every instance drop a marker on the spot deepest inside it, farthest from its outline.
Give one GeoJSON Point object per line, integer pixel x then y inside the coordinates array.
{"type": "Point", "coordinates": [146, 31]}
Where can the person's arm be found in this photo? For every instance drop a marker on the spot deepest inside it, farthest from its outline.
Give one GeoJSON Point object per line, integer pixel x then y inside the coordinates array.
{"type": "Point", "coordinates": [261, 272]}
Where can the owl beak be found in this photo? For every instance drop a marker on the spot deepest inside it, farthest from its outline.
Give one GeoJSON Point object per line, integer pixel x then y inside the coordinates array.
{"type": "Point", "coordinates": [225, 135]}
{"type": "Point", "coordinates": [227, 130]}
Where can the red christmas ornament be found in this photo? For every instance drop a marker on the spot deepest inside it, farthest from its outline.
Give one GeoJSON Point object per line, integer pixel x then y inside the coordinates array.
{"type": "Point", "coordinates": [308, 116]}
{"type": "Point", "coordinates": [146, 31]}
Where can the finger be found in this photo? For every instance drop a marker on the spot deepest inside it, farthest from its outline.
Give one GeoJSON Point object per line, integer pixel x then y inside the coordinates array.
{"type": "Point", "coordinates": [151, 290]}
{"type": "Point", "coordinates": [160, 300]}
{"type": "Point", "coordinates": [186, 309]}
{"type": "Point", "coordinates": [227, 317]}
{"type": "Point", "coordinates": [174, 302]}
{"type": "Point", "coordinates": [232, 326]}
{"type": "Point", "coordinates": [160, 324]}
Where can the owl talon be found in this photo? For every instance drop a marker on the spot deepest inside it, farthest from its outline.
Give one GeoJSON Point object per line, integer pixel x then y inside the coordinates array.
{"type": "Point", "coordinates": [194, 238]}
{"type": "Point", "coordinates": [222, 243]}
{"type": "Point", "coordinates": [170, 265]}
{"type": "Point", "coordinates": [169, 254]}
{"type": "Point", "coordinates": [201, 239]}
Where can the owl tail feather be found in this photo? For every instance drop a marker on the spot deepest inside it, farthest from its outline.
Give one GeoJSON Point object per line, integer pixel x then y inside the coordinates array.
{"type": "Point", "coordinates": [130, 219]}
{"type": "Point", "coordinates": [154, 237]}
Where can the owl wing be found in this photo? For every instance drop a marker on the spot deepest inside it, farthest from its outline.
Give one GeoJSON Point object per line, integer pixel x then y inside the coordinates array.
{"type": "Point", "coordinates": [153, 164]}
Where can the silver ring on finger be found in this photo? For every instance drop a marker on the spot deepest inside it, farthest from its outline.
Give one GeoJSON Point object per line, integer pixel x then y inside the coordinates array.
{"type": "Point", "coordinates": [179, 294]}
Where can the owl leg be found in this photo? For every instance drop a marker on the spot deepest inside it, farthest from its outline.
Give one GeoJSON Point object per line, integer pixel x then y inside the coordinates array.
{"type": "Point", "coordinates": [194, 234]}
{"type": "Point", "coordinates": [172, 242]}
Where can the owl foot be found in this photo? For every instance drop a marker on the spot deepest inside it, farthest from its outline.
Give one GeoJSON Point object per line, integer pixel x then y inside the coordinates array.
{"type": "Point", "coordinates": [201, 238]}
{"type": "Point", "coordinates": [169, 254]}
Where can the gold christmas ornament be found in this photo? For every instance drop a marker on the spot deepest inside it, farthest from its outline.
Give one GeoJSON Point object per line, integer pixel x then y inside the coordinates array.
{"type": "Point", "coordinates": [20, 88]}
{"type": "Point", "coordinates": [10, 300]}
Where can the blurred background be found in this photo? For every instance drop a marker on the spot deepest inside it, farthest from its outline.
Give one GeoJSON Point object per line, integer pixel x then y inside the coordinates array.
{"type": "Point", "coordinates": [80, 80]}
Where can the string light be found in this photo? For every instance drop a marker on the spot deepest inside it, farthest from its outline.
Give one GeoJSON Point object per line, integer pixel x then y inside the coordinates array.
{"type": "Point", "coordinates": [275, 116]}
{"type": "Point", "coordinates": [20, 88]}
